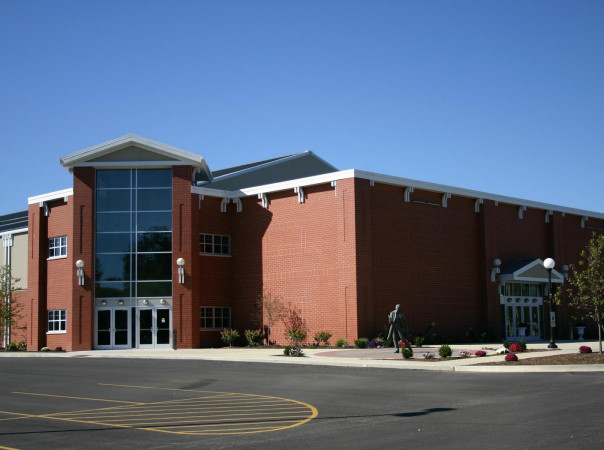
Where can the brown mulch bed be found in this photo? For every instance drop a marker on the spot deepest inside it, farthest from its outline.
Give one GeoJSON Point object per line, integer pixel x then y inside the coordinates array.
{"type": "Point", "coordinates": [553, 360]}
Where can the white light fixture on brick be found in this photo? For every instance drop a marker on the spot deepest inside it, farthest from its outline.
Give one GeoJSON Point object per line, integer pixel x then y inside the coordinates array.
{"type": "Point", "coordinates": [80, 265]}
{"type": "Point", "coordinates": [180, 262]}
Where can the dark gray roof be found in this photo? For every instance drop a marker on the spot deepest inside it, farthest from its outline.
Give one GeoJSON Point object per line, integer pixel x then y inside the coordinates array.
{"type": "Point", "coordinates": [513, 267]}
{"type": "Point", "coordinates": [13, 221]}
{"type": "Point", "coordinates": [275, 170]}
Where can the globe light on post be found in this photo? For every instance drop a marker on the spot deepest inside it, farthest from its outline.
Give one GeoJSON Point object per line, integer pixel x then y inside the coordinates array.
{"type": "Point", "coordinates": [549, 264]}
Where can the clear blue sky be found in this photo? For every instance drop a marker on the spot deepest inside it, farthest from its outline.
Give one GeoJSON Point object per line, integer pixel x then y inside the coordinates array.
{"type": "Point", "coordinates": [505, 97]}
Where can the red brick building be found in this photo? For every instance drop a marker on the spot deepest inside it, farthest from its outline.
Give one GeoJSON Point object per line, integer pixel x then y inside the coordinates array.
{"type": "Point", "coordinates": [151, 249]}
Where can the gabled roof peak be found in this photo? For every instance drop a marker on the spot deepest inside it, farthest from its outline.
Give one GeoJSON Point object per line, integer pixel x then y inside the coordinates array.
{"type": "Point", "coordinates": [132, 150]}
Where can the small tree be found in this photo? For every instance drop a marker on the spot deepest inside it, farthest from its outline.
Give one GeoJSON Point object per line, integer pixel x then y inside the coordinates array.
{"type": "Point", "coordinates": [10, 310]}
{"type": "Point", "coordinates": [295, 326]}
{"type": "Point", "coordinates": [273, 310]}
{"type": "Point", "coordinates": [585, 289]}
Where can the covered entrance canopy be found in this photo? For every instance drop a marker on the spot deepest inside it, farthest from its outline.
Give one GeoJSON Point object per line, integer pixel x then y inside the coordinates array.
{"type": "Point", "coordinates": [523, 285]}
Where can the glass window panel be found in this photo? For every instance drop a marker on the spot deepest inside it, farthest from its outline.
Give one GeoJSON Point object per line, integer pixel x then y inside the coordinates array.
{"type": "Point", "coordinates": [154, 200]}
{"type": "Point", "coordinates": [112, 267]}
{"type": "Point", "coordinates": [113, 200]}
{"type": "Point", "coordinates": [154, 178]}
{"type": "Point", "coordinates": [154, 242]}
{"type": "Point", "coordinates": [525, 289]}
{"type": "Point", "coordinates": [112, 289]}
{"type": "Point", "coordinates": [155, 221]}
{"type": "Point", "coordinates": [112, 242]}
{"type": "Point", "coordinates": [154, 266]}
{"type": "Point", "coordinates": [154, 289]}
{"type": "Point", "coordinates": [112, 222]}
{"type": "Point", "coordinates": [114, 178]}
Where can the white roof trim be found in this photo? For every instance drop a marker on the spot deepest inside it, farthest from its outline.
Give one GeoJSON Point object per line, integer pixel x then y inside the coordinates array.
{"type": "Point", "coordinates": [50, 196]}
{"type": "Point", "coordinates": [388, 179]}
{"type": "Point", "coordinates": [82, 157]}
{"type": "Point", "coordinates": [557, 277]}
{"type": "Point", "coordinates": [12, 232]}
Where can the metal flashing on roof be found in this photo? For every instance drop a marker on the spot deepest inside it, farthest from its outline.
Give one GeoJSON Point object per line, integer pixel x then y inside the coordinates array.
{"type": "Point", "coordinates": [97, 156]}
{"type": "Point", "coordinates": [14, 222]}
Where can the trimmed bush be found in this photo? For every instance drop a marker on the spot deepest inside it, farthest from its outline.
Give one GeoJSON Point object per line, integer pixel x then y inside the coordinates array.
{"type": "Point", "coordinates": [584, 349]}
{"type": "Point", "coordinates": [322, 337]}
{"type": "Point", "coordinates": [361, 342]}
{"type": "Point", "coordinates": [254, 337]}
{"type": "Point", "coordinates": [480, 353]}
{"type": "Point", "coordinates": [511, 357]}
{"type": "Point", "coordinates": [407, 352]}
{"type": "Point", "coordinates": [229, 336]}
{"type": "Point", "coordinates": [287, 349]}
{"type": "Point", "coordinates": [445, 351]}
{"type": "Point", "coordinates": [342, 343]}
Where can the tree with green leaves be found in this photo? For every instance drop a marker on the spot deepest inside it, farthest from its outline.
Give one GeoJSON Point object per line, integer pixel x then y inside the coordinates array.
{"type": "Point", "coordinates": [585, 284]}
{"type": "Point", "coordinates": [10, 310]}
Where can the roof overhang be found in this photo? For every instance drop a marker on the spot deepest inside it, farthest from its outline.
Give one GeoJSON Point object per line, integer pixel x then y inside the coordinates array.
{"type": "Point", "coordinates": [531, 272]}
{"type": "Point", "coordinates": [149, 154]}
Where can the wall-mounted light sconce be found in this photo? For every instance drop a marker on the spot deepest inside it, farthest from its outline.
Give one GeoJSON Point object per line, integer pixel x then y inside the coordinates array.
{"type": "Point", "coordinates": [495, 269]}
{"type": "Point", "coordinates": [565, 270]}
{"type": "Point", "coordinates": [120, 302]}
{"type": "Point", "coordinates": [80, 271]}
{"type": "Point", "coordinates": [146, 302]}
{"type": "Point", "coordinates": [180, 262]}
{"type": "Point", "coordinates": [163, 301]}
{"type": "Point", "coordinates": [103, 302]}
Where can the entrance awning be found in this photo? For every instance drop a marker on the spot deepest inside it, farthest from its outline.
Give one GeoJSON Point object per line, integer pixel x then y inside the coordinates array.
{"type": "Point", "coordinates": [529, 270]}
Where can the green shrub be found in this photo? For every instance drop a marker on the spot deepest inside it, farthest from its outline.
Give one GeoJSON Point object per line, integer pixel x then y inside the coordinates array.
{"type": "Point", "coordinates": [322, 337]}
{"type": "Point", "coordinates": [45, 349]}
{"type": "Point", "coordinates": [445, 351]}
{"type": "Point", "coordinates": [12, 347]}
{"type": "Point", "coordinates": [419, 341]}
{"type": "Point", "coordinates": [22, 345]}
{"type": "Point", "coordinates": [522, 343]}
{"type": "Point", "coordinates": [254, 337]}
{"type": "Point", "coordinates": [296, 335]}
{"type": "Point", "coordinates": [296, 352]}
{"type": "Point", "coordinates": [287, 349]}
{"type": "Point", "coordinates": [361, 342]}
{"type": "Point", "coordinates": [341, 343]}
{"type": "Point", "coordinates": [506, 344]}
{"type": "Point", "coordinates": [407, 352]}
{"type": "Point", "coordinates": [229, 336]}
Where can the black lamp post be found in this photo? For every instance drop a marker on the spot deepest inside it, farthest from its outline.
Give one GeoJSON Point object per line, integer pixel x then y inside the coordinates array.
{"type": "Point", "coordinates": [549, 264]}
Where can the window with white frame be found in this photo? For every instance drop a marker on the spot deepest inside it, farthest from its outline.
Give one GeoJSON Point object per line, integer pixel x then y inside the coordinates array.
{"type": "Point", "coordinates": [57, 247]}
{"type": "Point", "coordinates": [57, 321]}
{"type": "Point", "coordinates": [214, 244]}
{"type": "Point", "coordinates": [215, 318]}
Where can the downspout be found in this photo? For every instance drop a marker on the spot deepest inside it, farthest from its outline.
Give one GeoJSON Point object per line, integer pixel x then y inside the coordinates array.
{"type": "Point", "coordinates": [7, 242]}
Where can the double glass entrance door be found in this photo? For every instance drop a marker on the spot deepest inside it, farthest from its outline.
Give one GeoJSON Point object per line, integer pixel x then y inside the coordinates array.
{"type": "Point", "coordinates": [121, 328]}
{"type": "Point", "coordinates": [153, 328]}
{"type": "Point", "coordinates": [112, 328]}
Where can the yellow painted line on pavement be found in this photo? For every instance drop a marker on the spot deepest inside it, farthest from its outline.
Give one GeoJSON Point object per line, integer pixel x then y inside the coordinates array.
{"type": "Point", "coordinates": [212, 413]}
{"type": "Point", "coordinates": [76, 398]}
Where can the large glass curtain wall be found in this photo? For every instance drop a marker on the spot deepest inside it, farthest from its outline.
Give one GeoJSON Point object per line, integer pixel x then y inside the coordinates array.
{"type": "Point", "coordinates": [133, 250]}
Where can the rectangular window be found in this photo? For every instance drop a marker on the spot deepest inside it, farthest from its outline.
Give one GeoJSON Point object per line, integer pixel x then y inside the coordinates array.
{"type": "Point", "coordinates": [215, 318]}
{"type": "Point", "coordinates": [214, 244]}
{"type": "Point", "coordinates": [57, 321]}
{"type": "Point", "coordinates": [57, 247]}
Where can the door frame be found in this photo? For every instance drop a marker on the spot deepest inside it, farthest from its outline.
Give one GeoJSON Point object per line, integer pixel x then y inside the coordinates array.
{"type": "Point", "coordinates": [112, 329]}
{"type": "Point", "coordinates": [154, 326]}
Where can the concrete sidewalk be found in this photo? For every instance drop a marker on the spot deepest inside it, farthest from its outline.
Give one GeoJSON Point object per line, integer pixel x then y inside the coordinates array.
{"type": "Point", "coordinates": [376, 358]}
